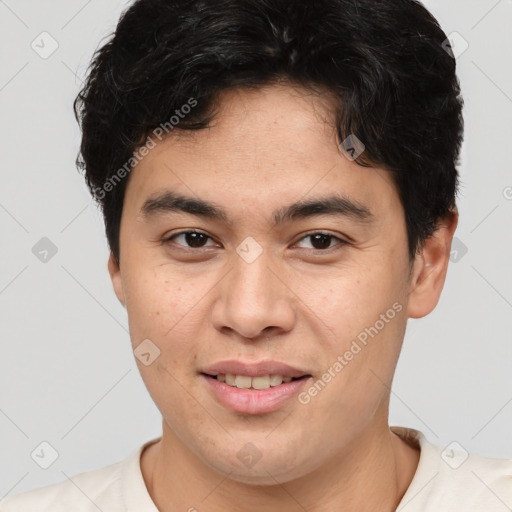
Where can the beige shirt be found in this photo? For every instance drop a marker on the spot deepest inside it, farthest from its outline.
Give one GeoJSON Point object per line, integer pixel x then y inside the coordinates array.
{"type": "Point", "coordinates": [447, 480]}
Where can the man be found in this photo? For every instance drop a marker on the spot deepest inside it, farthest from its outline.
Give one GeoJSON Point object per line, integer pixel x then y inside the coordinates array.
{"type": "Point", "coordinates": [278, 182]}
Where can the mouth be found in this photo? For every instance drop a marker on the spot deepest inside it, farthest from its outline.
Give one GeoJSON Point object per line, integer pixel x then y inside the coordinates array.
{"type": "Point", "coordinates": [254, 387]}
{"type": "Point", "coordinates": [260, 382]}
{"type": "Point", "coordinates": [253, 395]}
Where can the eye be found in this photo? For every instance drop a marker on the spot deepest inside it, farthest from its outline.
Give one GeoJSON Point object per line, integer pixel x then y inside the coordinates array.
{"type": "Point", "coordinates": [194, 239]}
{"type": "Point", "coordinates": [322, 241]}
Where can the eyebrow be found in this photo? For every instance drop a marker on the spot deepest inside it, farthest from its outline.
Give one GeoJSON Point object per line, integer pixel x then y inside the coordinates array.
{"type": "Point", "coordinates": [332, 205]}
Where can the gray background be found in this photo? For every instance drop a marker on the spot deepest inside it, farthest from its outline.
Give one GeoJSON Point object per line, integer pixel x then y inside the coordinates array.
{"type": "Point", "coordinates": [67, 374]}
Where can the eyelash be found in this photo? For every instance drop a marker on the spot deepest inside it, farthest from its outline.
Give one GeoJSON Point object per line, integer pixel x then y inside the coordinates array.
{"type": "Point", "coordinates": [340, 241]}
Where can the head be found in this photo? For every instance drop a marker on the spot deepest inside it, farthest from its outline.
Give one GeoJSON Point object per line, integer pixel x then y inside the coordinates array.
{"type": "Point", "coordinates": [224, 120]}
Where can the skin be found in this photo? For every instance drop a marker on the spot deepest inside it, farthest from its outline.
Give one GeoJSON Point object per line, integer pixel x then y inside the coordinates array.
{"type": "Point", "coordinates": [295, 303]}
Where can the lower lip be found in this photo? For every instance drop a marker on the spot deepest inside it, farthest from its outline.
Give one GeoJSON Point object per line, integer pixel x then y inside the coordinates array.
{"type": "Point", "coordinates": [254, 401]}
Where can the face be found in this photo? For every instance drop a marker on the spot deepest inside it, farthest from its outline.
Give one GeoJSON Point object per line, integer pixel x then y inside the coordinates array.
{"type": "Point", "coordinates": [326, 291]}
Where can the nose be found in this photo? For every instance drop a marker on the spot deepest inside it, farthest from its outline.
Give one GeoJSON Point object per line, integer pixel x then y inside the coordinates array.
{"type": "Point", "coordinates": [254, 300]}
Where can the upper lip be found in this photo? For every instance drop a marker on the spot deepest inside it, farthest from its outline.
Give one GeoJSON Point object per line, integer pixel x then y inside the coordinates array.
{"type": "Point", "coordinates": [256, 369]}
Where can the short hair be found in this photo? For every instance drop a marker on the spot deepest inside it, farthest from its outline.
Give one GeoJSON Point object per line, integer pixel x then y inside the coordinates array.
{"type": "Point", "coordinates": [386, 63]}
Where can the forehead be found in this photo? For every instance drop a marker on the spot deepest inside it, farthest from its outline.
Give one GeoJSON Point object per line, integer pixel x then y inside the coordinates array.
{"type": "Point", "coordinates": [279, 119]}
{"type": "Point", "coordinates": [263, 146]}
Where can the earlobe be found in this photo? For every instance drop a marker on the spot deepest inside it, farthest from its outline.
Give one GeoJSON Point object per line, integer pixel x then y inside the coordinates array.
{"type": "Point", "coordinates": [115, 277]}
{"type": "Point", "coordinates": [430, 268]}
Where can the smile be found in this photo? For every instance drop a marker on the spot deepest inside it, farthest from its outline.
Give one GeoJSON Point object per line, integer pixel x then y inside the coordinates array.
{"type": "Point", "coordinates": [247, 382]}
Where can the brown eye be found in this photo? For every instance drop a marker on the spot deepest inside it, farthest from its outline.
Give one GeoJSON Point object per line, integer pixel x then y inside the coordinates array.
{"type": "Point", "coordinates": [322, 241]}
{"type": "Point", "coordinates": [193, 239]}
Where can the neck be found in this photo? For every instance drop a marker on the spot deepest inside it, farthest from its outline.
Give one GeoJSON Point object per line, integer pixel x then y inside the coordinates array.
{"type": "Point", "coordinates": [377, 461]}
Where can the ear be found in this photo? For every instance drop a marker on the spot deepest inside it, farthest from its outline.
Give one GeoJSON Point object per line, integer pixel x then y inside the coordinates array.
{"type": "Point", "coordinates": [430, 267]}
{"type": "Point", "coordinates": [115, 277]}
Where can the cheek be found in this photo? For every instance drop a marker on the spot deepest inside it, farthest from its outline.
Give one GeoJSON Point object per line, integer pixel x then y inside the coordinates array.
{"type": "Point", "coordinates": [159, 305]}
{"type": "Point", "coordinates": [164, 310]}
{"type": "Point", "coordinates": [350, 300]}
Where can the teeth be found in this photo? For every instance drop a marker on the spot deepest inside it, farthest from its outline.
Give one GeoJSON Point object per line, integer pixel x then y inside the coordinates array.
{"type": "Point", "coordinates": [243, 382]}
{"type": "Point", "coordinates": [275, 380]}
{"type": "Point", "coordinates": [262, 382]}
{"type": "Point", "coordinates": [246, 382]}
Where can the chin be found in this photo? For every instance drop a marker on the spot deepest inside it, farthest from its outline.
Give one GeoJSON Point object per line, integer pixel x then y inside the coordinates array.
{"type": "Point", "coordinates": [275, 469]}
{"type": "Point", "coordinates": [264, 476]}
